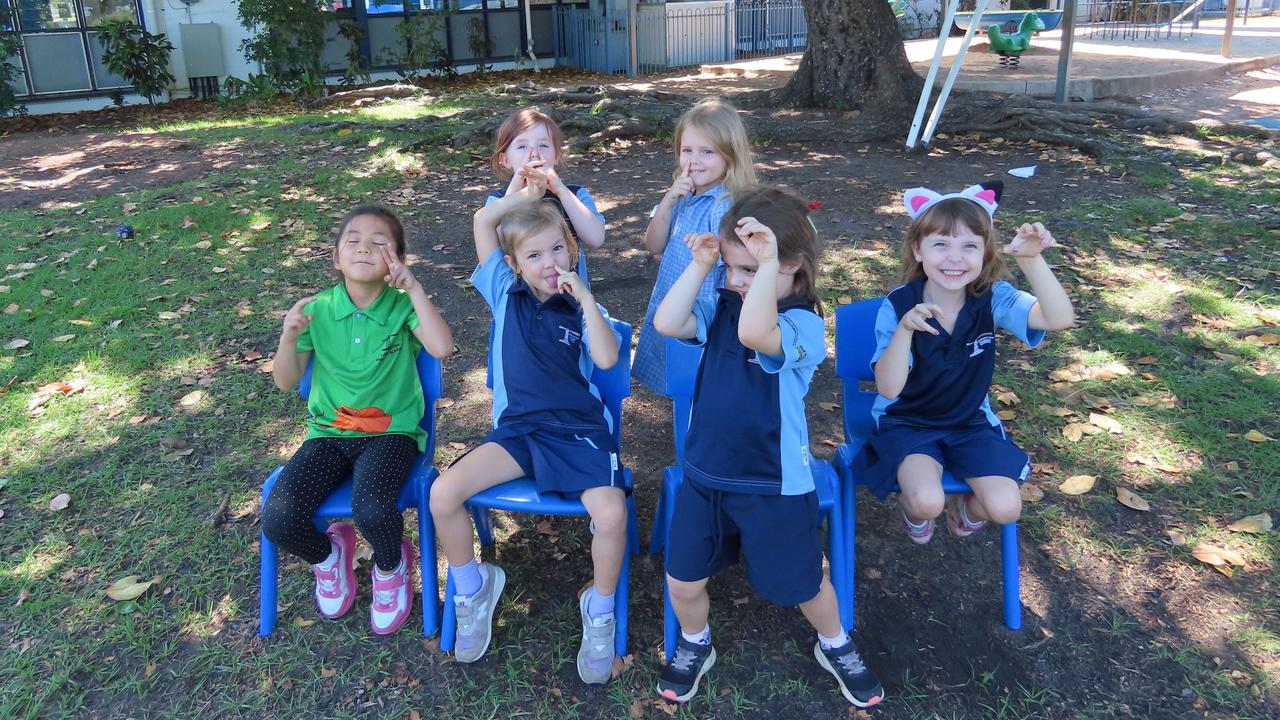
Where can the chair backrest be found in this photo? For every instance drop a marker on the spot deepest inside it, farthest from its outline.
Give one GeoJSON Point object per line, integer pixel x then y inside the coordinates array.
{"type": "Point", "coordinates": [682, 376]}
{"type": "Point", "coordinates": [429, 375]}
{"type": "Point", "coordinates": [855, 344]}
{"type": "Point", "coordinates": [614, 384]}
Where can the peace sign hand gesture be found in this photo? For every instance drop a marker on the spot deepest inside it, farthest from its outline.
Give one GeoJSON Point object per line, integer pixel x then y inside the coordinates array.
{"type": "Point", "coordinates": [398, 275]}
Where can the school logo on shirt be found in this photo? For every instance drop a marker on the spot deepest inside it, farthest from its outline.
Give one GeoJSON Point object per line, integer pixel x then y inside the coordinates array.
{"type": "Point", "coordinates": [980, 343]}
{"type": "Point", "coordinates": [390, 346]}
{"type": "Point", "coordinates": [569, 337]}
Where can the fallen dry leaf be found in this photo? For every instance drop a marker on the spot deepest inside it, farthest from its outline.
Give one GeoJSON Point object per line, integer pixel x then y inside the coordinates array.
{"type": "Point", "coordinates": [16, 343]}
{"type": "Point", "coordinates": [829, 406]}
{"type": "Point", "coordinates": [1030, 493]}
{"type": "Point", "coordinates": [62, 338]}
{"type": "Point", "coordinates": [1077, 484]}
{"type": "Point", "coordinates": [1176, 538]}
{"type": "Point", "coordinates": [1106, 422]}
{"type": "Point", "coordinates": [1255, 436]}
{"type": "Point", "coordinates": [1073, 431]}
{"type": "Point", "coordinates": [1214, 555]}
{"type": "Point", "coordinates": [301, 622]}
{"type": "Point", "coordinates": [1260, 523]}
{"type": "Point", "coordinates": [1006, 414]}
{"type": "Point", "coordinates": [60, 501]}
{"type": "Point", "coordinates": [1130, 499]}
{"type": "Point", "coordinates": [128, 588]}
{"type": "Point", "coordinates": [621, 664]}
{"type": "Point", "coordinates": [192, 398]}
{"type": "Point", "coordinates": [1008, 397]}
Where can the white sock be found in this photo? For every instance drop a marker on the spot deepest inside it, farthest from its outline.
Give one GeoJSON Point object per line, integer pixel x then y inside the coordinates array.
{"type": "Point", "coordinates": [830, 643]}
{"type": "Point", "coordinates": [388, 575]}
{"type": "Point", "coordinates": [702, 637]}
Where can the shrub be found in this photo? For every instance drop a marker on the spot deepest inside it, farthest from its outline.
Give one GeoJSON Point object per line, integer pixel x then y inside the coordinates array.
{"type": "Point", "coordinates": [288, 39]}
{"type": "Point", "coordinates": [10, 45]}
{"type": "Point", "coordinates": [136, 55]}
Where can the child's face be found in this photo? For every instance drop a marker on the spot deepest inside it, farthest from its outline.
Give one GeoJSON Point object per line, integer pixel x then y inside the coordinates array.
{"type": "Point", "coordinates": [740, 270]}
{"type": "Point", "coordinates": [705, 164]}
{"type": "Point", "coordinates": [537, 258]}
{"type": "Point", "coordinates": [531, 147]}
{"type": "Point", "coordinates": [951, 262]}
{"type": "Point", "coordinates": [359, 255]}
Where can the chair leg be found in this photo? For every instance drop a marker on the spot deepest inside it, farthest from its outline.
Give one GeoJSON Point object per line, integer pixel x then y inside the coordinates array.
{"type": "Point", "coordinates": [484, 526]}
{"type": "Point", "coordinates": [622, 596]}
{"type": "Point", "coordinates": [427, 568]}
{"type": "Point", "coordinates": [671, 624]}
{"type": "Point", "coordinates": [449, 621]}
{"type": "Point", "coordinates": [1009, 564]}
{"type": "Point", "coordinates": [659, 533]}
{"type": "Point", "coordinates": [840, 569]}
{"type": "Point", "coordinates": [268, 585]}
{"type": "Point", "coordinates": [850, 497]}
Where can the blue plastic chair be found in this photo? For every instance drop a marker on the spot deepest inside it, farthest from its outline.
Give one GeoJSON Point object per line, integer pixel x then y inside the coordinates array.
{"type": "Point", "coordinates": [338, 505]}
{"type": "Point", "coordinates": [521, 495]}
{"type": "Point", "coordinates": [682, 372]}
{"type": "Point", "coordinates": [855, 344]}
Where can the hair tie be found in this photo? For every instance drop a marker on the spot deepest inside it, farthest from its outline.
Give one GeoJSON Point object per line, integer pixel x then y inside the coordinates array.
{"type": "Point", "coordinates": [987, 196]}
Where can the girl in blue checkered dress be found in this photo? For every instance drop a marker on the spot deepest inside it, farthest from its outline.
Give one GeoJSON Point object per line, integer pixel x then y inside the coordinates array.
{"type": "Point", "coordinates": [713, 161]}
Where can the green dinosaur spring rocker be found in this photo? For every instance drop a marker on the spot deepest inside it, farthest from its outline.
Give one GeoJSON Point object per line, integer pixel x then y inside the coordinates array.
{"type": "Point", "coordinates": [1011, 46]}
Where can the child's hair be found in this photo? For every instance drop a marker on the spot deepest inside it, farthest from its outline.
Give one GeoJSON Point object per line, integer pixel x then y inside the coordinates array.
{"type": "Point", "coordinates": [527, 220]}
{"type": "Point", "coordinates": [788, 217]}
{"type": "Point", "coordinates": [946, 218]}
{"type": "Point", "coordinates": [517, 122]}
{"type": "Point", "coordinates": [397, 229]}
{"type": "Point", "coordinates": [720, 121]}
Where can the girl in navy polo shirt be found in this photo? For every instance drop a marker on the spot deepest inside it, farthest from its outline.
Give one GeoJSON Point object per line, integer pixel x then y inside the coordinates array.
{"type": "Point", "coordinates": [935, 356]}
{"type": "Point", "coordinates": [712, 163]}
{"type": "Point", "coordinates": [549, 423]}
{"type": "Point", "coordinates": [762, 339]}
{"type": "Point", "coordinates": [529, 138]}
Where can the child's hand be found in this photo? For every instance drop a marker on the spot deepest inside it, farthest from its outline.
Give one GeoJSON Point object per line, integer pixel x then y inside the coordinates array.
{"type": "Point", "coordinates": [516, 184]}
{"type": "Point", "coordinates": [398, 275]}
{"type": "Point", "coordinates": [553, 178]}
{"type": "Point", "coordinates": [1031, 240]}
{"type": "Point", "coordinates": [917, 318]}
{"type": "Point", "coordinates": [535, 184]}
{"type": "Point", "coordinates": [705, 248]}
{"type": "Point", "coordinates": [571, 284]}
{"type": "Point", "coordinates": [681, 188]}
{"type": "Point", "coordinates": [295, 321]}
{"type": "Point", "coordinates": [758, 239]}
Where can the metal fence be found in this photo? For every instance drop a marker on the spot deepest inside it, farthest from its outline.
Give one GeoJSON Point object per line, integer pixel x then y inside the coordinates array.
{"type": "Point", "coordinates": [677, 35]}
{"type": "Point", "coordinates": [1149, 20]}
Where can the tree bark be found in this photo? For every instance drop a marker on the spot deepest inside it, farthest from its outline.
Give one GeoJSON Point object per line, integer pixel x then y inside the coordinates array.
{"type": "Point", "coordinates": [855, 61]}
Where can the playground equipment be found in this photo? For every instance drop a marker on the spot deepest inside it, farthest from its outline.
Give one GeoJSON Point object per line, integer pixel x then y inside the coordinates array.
{"type": "Point", "coordinates": [1010, 19]}
{"type": "Point", "coordinates": [936, 115]}
{"type": "Point", "coordinates": [1011, 46]}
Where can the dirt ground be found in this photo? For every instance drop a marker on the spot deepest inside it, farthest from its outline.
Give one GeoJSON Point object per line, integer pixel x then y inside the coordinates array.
{"type": "Point", "coordinates": [954, 654]}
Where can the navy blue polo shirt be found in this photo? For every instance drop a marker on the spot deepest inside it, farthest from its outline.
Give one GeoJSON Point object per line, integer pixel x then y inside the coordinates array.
{"type": "Point", "coordinates": [950, 373]}
{"type": "Point", "coordinates": [747, 430]}
{"type": "Point", "coordinates": [541, 360]}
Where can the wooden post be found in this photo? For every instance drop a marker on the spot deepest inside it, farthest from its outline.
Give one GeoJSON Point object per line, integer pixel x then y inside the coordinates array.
{"type": "Point", "coordinates": [1231, 21]}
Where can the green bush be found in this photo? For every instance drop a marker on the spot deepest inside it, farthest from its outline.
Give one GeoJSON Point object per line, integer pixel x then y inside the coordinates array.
{"type": "Point", "coordinates": [420, 49]}
{"type": "Point", "coordinates": [10, 45]}
{"type": "Point", "coordinates": [288, 39]}
{"type": "Point", "coordinates": [137, 56]}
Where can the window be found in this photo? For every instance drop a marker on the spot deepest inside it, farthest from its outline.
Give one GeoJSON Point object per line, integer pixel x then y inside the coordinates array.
{"type": "Point", "coordinates": [47, 14]}
{"type": "Point", "coordinates": [95, 11]}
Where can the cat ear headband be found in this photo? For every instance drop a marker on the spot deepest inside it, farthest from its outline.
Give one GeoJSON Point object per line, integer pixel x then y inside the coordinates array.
{"type": "Point", "coordinates": [987, 195]}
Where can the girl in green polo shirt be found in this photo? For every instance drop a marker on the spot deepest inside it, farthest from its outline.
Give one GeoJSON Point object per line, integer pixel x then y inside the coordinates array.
{"type": "Point", "coordinates": [362, 339]}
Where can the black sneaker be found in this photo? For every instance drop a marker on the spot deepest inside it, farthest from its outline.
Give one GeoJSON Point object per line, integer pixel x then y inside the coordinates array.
{"type": "Point", "coordinates": [858, 684]}
{"type": "Point", "coordinates": [679, 679]}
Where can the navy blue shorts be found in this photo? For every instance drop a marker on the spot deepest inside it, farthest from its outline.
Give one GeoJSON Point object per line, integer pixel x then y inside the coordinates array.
{"type": "Point", "coordinates": [777, 536]}
{"type": "Point", "coordinates": [565, 463]}
{"type": "Point", "coordinates": [967, 453]}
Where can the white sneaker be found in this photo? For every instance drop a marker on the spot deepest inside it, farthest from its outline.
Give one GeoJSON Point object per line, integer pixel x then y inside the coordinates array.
{"type": "Point", "coordinates": [474, 615]}
{"type": "Point", "coordinates": [595, 657]}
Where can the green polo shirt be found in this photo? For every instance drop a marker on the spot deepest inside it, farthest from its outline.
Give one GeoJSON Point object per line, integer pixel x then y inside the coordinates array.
{"type": "Point", "coordinates": [364, 378]}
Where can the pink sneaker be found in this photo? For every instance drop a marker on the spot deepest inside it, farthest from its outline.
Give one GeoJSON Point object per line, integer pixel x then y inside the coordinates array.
{"type": "Point", "coordinates": [393, 596]}
{"type": "Point", "coordinates": [958, 521]}
{"type": "Point", "coordinates": [336, 584]}
{"type": "Point", "coordinates": [919, 534]}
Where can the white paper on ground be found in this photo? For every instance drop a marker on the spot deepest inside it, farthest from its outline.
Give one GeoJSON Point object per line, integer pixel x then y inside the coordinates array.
{"type": "Point", "coordinates": [1023, 172]}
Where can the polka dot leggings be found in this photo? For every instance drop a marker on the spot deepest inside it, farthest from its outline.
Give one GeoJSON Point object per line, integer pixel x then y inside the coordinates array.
{"type": "Point", "coordinates": [380, 466]}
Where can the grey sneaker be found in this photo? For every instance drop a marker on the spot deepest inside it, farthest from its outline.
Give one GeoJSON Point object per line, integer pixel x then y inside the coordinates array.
{"type": "Point", "coordinates": [595, 657]}
{"type": "Point", "coordinates": [474, 615]}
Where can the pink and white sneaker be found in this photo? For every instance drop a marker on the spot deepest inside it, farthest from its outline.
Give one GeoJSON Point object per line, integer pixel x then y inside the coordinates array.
{"type": "Point", "coordinates": [336, 582]}
{"type": "Point", "coordinates": [958, 521]}
{"type": "Point", "coordinates": [392, 596]}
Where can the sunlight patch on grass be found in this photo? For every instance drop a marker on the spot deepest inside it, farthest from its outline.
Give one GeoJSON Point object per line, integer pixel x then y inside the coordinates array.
{"type": "Point", "coordinates": [42, 561]}
{"type": "Point", "coordinates": [210, 623]}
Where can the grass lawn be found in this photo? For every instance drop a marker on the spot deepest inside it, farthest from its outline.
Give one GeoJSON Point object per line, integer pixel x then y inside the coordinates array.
{"type": "Point", "coordinates": [135, 376]}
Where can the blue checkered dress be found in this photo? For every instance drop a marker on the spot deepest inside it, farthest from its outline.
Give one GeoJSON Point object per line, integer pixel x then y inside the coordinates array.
{"type": "Point", "coordinates": [696, 214]}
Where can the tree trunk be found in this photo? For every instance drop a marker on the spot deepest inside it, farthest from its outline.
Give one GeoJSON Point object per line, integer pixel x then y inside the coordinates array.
{"type": "Point", "coordinates": [855, 61]}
